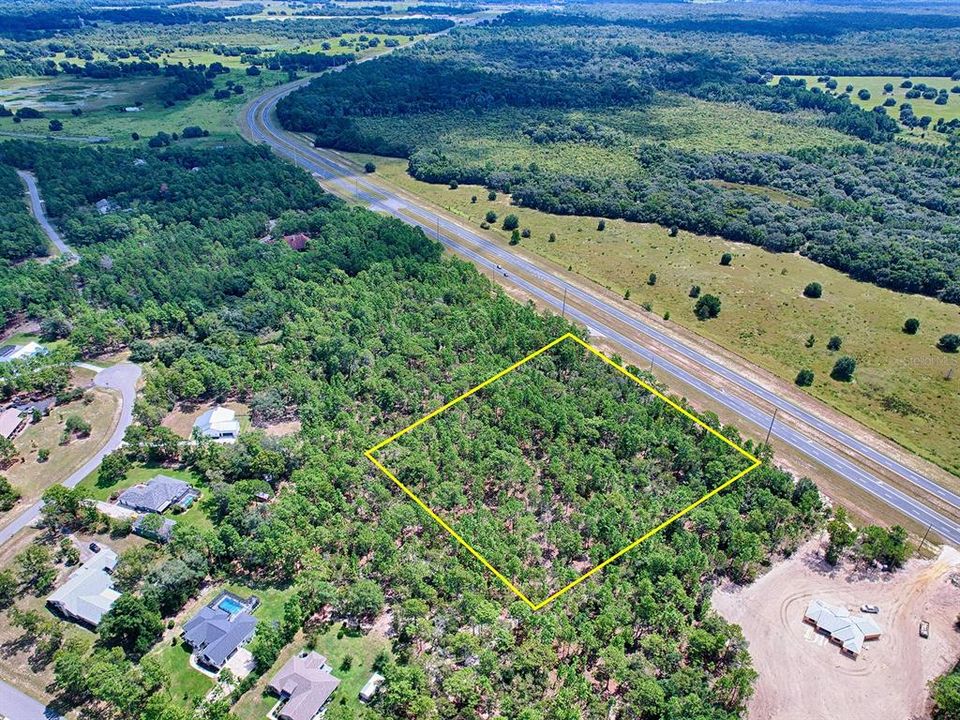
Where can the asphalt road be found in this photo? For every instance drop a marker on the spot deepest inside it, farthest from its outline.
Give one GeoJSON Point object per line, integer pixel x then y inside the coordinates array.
{"type": "Point", "coordinates": [36, 207]}
{"type": "Point", "coordinates": [261, 126]}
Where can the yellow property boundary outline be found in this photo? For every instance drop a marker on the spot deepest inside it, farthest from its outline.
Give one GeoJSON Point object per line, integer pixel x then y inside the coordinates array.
{"type": "Point", "coordinates": [755, 463]}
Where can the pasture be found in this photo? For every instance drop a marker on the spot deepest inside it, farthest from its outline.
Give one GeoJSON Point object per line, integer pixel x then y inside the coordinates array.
{"type": "Point", "coordinates": [875, 84]}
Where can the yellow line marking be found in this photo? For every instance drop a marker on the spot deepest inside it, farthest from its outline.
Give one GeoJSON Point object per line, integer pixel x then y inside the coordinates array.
{"type": "Point", "coordinates": [369, 454]}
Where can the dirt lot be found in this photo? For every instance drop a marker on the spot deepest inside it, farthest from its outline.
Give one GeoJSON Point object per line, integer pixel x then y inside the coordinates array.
{"type": "Point", "coordinates": [804, 677]}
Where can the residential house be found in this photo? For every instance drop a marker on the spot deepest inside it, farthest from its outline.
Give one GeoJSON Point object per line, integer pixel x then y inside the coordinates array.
{"type": "Point", "coordinates": [104, 206]}
{"type": "Point", "coordinates": [215, 635]}
{"type": "Point", "coordinates": [9, 353]}
{"type": "Point", "coordinates": [304, 685]}
{"type": "Point", "coordinates": [846, 630]}
{"type": "Point", "coordinates": [88, 594]}
{"type": "Point", "coordinates": [218, 423]}
{"type": "Point", "coordinates": [11, 420]}
{"type": "Point", "coordinates": [158, 494]}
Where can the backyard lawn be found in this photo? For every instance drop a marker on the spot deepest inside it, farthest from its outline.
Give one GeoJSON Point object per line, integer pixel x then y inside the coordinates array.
{"type": "Point", "coordinates": [362, 650]}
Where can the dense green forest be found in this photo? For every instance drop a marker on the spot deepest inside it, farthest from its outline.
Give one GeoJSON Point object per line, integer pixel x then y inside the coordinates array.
{"type": "Point", "coordinates": [363, 332]}
{"type": "Point", "coordinates": [882, 211]}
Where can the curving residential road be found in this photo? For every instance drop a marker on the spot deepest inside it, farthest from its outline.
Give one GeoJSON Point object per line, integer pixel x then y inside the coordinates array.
{"type": "Point", "coordinates": [36, 207]}
{"type": "Point", "coordinates": [123, 378]}
{"type": "Point", "coordinates": [260, 125]}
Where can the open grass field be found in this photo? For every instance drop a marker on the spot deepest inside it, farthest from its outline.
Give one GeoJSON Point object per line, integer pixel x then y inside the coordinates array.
{"type": "Point", "coordinates": [501, 138]}
{"type": "Point", "coordinates": [900, 388]}
{"type": "Point", "coordinates": [31, 477]}
{"type": "Point", "coordinates": [874, 84]}
{"type": "Point", "coordinates": [361, 648]}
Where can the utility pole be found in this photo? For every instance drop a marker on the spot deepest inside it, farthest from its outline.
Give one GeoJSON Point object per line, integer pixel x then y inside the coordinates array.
{"type": "Point", "coordinates": [923, 539]}
{"type": "Point", "coordinates": [770, 429]}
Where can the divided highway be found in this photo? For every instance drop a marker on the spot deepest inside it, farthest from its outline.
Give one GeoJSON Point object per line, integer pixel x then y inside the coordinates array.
{"type": "Point", "coordinates": [261, 125]}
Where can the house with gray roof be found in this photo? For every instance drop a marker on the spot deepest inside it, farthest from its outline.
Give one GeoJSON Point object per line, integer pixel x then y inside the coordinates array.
{"type": "Point", "coordinates": [215, 635]}
{"type": "Point", "coordinates": [88, 593]}
{"type": "Point", "coordinates": [304, 685]}
{"type": "Point", "coordinates": [846, 630]}
{"type": "Point", "coordinates": [158, 494]}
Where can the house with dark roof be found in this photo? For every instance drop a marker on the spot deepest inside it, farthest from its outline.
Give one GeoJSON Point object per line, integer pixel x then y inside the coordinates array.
{"type": "Point", "coordinates": [157, 494]}
{"type": "Point", "coordinates": [304, 685]}
{"type": "Point", "coordinates": [88, 593]}
{"type": "Point", "coordinates": [215, 635]}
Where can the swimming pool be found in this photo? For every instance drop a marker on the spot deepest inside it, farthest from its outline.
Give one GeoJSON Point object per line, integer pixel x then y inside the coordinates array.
{"type": "Point", "coordinates": [230, 606]}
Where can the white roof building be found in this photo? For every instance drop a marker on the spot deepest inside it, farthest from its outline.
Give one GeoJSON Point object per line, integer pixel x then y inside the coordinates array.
{"type": "Point", "coordinates": [88, 593]}
{"type": "Point", "coordinates": [371, 686]}
{"type": "Point", "coordinates": [9, 353]}
{"type": "Point", "coordinates": [846, 630]}
{"type": "Point", "coordinates": [219, 423]}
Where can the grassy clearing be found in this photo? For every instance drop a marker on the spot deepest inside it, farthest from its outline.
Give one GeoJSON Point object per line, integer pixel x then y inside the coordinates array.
{"type": "Point", "coordinates": [362, 649]}
{"type": "Point", "coordinates": [899, 389]}
{"type": "Point", "coordinates": [874, 84]}
{"type": "Point", "coordinates": [31, 477]}
{"type": "Point", "coordinates": [501, 138]}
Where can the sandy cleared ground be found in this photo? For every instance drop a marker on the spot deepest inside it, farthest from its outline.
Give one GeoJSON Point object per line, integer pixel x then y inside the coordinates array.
{"type": "Point", "coordinates": [804, 677]}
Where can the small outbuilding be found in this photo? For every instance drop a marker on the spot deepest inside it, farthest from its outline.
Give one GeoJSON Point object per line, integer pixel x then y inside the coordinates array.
{"type": "Point", "coordinates": [370, 688]}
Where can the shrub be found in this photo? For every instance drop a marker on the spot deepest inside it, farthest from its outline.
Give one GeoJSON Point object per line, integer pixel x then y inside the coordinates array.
{"type": "Point", "coordinates": [674, 230]}
{"type": "Point", "coordinates": [369, 167]}
{"type": "Point", "coordinates": [949, 343]}
{"type": "Point", "coordinates": [473, 199]}
{"type": "Point", "coordinates": [707, 307]}
{"type": "Point", "coordinates": [454, 184]}
{"type": "Point", "coordinates": [491, 196]}
{"type": "Point", "coordinates": [525, 233]}
{"type": "Point", "coordinates": [810, 341]}
{"type": "Point", "coordinates": [843, 369]}
{"type": "Point", "coordinates": [552, 238]}
{"type": "Point", "coordinates": [804, 378]}
{"type": "Point", "coordinates": [695, 291]}
{"type": "Point", "coordinates": [511, 222]}
{"type": "Point", "coordinates": [911, 326]}
{"type": "Point", "coordinates": [813, 290]}
{"type": "Point", "coordinates": [515, 237]}
{"type": "Point", "coordinates": [76, 425]}
{"type": "Point", "coordinates": [491, 216]}
{"type": "Point", "coordinates": [55, 126]}
{"type": "Point", "coordinates": [43, 454]}
{"type": "Point", "coordinates": [834, 343]}
{"type": "Point", "coordinates": [652, 280]}
{"type": "Point", "coordinates": [626, 295]}
{"type": "Point", "coordinates": [726, 259]}
{"type": "Point", "coordinates": [602, 225]}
